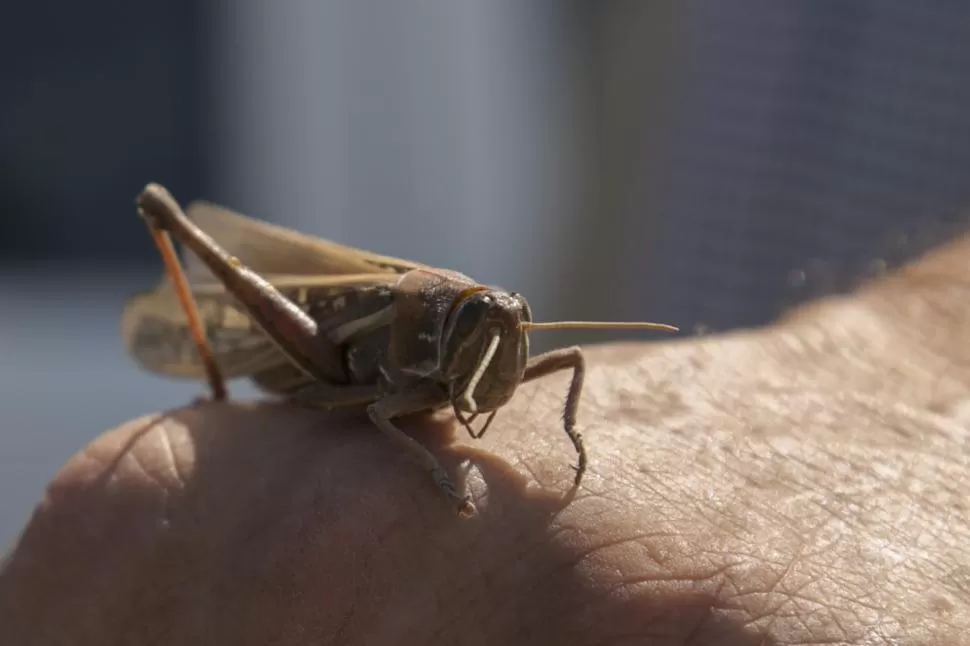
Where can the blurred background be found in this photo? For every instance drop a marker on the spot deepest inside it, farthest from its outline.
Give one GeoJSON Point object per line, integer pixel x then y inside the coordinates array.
{"type": "Point", "coordinates": [696, 162]}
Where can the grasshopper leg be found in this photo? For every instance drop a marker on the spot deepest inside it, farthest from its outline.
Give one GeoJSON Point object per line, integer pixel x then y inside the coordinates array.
{"type": "Point", "coordinates": [554, 361]}
{"type": "Point", "coordinates": [382, 411]}
{"type": "Point", "coordinates": [296, 334]}
{"type": "Point", "coordinates": [328, 397]}
{"type": "Point", "coordinates": [173, 267]}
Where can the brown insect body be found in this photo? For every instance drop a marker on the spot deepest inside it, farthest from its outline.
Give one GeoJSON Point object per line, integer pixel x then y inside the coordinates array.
{"type": "Point", "coordinates": [328, 325]}
{"type": "Point", "coordinates": [442, 329]}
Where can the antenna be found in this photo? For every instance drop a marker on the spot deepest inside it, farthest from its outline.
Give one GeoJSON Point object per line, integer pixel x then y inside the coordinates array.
{"type": "Point", "coordinates": [598, 325]}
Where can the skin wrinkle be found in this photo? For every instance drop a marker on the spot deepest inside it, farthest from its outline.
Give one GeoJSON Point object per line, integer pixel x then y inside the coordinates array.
{"type": "Point", "coordinates": [446, 552]}
{"type": "Point", "coordinates": [508, 609]}
{"type": "Point", "coordinates": [695, 632]}
{"type": "Point", "coordinates": [464, 600]}
{"type": "Point", "coordinates": [591, 552]}
{"type": "Point", "coordinates": [530, 395]}
{"type": "Point", "coordinates": [626, 582]}
{"type": "Point", "coordinates": [378, 564]}
{"type": "Point", "coordinates": [713, 478]}
{"type": "Point", "coordinates": [495, 572]}
{"type": "Point", "coordinates": [544, 400]}
{"type": "Point", "coordinates": [552, 570]}
{"type": "Point", "coordinates": [815, 624]}
{"type": "Point", "coordinates": [775, 598]}
{"type": "Point", "coordinates": [855, 465]}
{"type": "Point", "coordinates": [103, 468]}
{"type": "Point", "coordinates": [653, 625]}
{"type": "Point", "coordinates": [169, 453]}
{"type": "Point", "coordinates": [523, 549]}
{"type": "Point", "coordinates": [133, 459]}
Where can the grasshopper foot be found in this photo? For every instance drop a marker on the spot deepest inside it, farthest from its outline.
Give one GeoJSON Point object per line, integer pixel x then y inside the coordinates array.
{"type": "Point", "coordinates": [580, 470]}
{"type": "Point", "coordinates": [466, 509]}
{"type": "Point", "coordinates": [202, 400]}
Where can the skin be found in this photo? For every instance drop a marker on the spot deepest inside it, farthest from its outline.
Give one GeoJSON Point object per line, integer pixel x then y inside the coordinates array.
{"type": "Point", "coordinates": [805, 483]}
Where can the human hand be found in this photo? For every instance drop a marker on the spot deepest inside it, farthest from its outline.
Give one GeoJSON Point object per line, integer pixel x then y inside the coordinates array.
{"type": "Point", "coordinates": [802, 483]}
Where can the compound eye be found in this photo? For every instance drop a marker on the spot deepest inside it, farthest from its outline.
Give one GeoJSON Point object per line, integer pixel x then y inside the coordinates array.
{"type": "Point", "coordinates": [524, 309]}
{"type": "Point", "coordinates": [470, 315]}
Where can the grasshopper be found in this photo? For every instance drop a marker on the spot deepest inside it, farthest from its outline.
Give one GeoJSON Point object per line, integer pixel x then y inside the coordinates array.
{"type": "Point", "coordinates": [325, 325]}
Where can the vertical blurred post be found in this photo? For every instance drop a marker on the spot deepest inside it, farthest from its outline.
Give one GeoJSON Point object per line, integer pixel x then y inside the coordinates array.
{"type": "Point", "coordinates": [630, 69]}
{"type": "Point", "coordinates": [790, 136]}
{"type": "Point", "coordinates": [438, 130]}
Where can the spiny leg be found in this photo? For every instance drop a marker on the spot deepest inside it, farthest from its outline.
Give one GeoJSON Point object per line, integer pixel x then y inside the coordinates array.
{"type": "Point", "coordinates": [466, 422]}
{"type": "Point", "coordinates": [554, 361]}
{"type": "Point", "coordinates": [173, 267]}
{"type": "Point", "coordinates": [488, 422]}
{"type": "Point", "coordinates": [382, 411]}
{"type": "Point", "coordinates": [283, 321]}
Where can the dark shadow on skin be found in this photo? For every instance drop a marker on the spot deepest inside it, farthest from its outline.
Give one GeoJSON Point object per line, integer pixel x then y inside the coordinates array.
{"type": "Point", "coordinates": [339, 516]}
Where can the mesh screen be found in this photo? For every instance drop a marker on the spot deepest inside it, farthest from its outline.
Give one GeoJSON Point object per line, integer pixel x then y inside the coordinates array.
{"type": "Point", "coordinates": [811, 142]}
